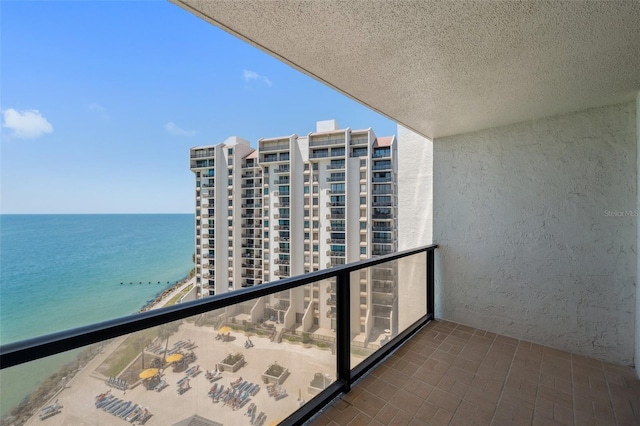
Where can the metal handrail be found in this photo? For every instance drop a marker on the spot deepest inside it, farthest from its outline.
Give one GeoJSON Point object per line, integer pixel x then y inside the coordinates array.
{"type": "Point", "coordinates": [21, 352]}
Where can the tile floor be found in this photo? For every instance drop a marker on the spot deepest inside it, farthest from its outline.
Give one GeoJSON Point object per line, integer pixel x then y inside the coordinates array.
{"type": "Point", "coordinates": [450, 374]}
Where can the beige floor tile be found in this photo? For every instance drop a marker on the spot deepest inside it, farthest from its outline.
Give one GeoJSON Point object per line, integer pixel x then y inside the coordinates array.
{"type": "Point", "coordinates": [458, 375]}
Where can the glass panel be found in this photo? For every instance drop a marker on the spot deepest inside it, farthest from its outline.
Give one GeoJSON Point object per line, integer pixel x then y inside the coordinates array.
{"type": "Point", "coordinates": [261, 358]}
{"type": "Point", "coordinates": [385, 300]}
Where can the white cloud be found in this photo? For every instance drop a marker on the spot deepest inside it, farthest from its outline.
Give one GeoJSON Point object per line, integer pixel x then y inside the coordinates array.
{"type": "Point", "coordinates": [27, 124]}
{"type": "Point", "coordinates": [100, 110]}
{"type": "Point", "coordinates": [171, 127]}
{"type": "Point", "coordinates": [252, 75]}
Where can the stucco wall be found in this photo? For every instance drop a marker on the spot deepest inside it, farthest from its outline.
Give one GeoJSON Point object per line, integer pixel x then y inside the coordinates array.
{"type": "Point", "coordinates": [532, 243]}
{"type": "Point", "coordinates": [637, 357]}
{"type": "Point", "coordinates": [415, 190]}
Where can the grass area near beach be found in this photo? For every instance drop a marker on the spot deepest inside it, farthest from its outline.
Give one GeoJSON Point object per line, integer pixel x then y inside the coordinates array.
{"type": "Point", "coordinates": [178, 296]}
{"type": "Point", "coordinates": [127, 352]}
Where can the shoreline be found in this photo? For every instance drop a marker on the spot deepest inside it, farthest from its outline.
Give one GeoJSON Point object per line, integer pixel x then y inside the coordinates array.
{"type": "Point", "coordinates": [50, 387]}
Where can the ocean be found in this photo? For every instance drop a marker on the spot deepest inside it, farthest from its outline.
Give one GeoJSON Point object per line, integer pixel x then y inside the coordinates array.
{"type": "Point", "coordinates": [64, 271]}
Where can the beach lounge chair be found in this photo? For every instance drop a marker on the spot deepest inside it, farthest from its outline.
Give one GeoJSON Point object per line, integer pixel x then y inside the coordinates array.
{"type": "Point", "coordinates": [184, 386]}
{"type": "Point", "coordinates": [111, 404]}
{"type": "Point", "coordinates": [236, 383]}
{"type": "Point", "coordinates": [49, 410]}
{"type": "Point", "coordinates": [104, 401]}
{"type": "Point", "coordinates": [134, 415]}
{"type": "Point", "coordinates": [161, 385]}
{"type": "Point", "coordinates": [124, 407]}
{"type": "Point", "coordinates": [128, 411]}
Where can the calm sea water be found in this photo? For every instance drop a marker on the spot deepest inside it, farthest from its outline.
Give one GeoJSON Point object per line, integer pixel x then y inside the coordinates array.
{"type": "Point", "coordinates": [64, 271]}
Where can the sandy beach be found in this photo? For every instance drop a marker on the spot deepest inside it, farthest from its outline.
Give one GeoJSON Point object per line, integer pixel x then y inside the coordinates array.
{"type": "Point", "coordinates": [168, 407]}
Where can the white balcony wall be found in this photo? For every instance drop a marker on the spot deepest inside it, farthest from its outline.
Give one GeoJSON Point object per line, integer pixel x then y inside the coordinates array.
{"type": "Point", "coordinates": [415, 190]}
{"type": "Point", "coordinates": [637, 349]}
{"type": "Point", "coordinates": [537, 233]}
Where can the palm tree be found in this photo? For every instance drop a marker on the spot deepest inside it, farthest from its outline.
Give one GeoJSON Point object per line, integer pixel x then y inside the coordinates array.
{"type": "Point", "coordinates": [164, 332]}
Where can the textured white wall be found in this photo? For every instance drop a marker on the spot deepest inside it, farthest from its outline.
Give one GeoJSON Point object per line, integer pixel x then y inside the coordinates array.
{"type": "Point", "coordinates": [415, 190]}
{"type": "Point", "coordinates": [637, 355]}
{"type": "Point", "coordinates": [531, 241]}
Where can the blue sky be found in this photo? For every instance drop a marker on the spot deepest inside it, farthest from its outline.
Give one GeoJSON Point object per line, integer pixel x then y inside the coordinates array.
{"type": "Point", "coordinates": [101, 102]}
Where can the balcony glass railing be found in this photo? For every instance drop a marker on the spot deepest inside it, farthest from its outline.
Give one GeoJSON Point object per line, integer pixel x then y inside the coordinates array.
{"type": "Point", "coordinates": [238, 348]}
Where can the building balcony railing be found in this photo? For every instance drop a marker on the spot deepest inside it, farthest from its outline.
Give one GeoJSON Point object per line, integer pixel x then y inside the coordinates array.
{"type": "Point", "coordinates": [383, 240]}
{"type": "Point", "coordinates": [382, 179]}
{"type": "Point", "coordinates": [335, 166]}
{"type": "Point", "coordinates": [282, 169]}
{"type": "Point", "coordinates": [203, 154]}
{"type": "Point", "coordinates": [344, 366]}
{"type": "Point", "coordinates": [336, 253]}
{"type": "Point", "coordinates": [336, 216]}
{"type": "Point", "coordinates": [383, 228]}
{"type": "Point", "coordinates": [326, 142]}
{"type": "Point", "coordinates": [381, 216]}
{"type": "Point", "coordinates": [335, 241]}
{"type": "Point", "coordinates": [281, 147]}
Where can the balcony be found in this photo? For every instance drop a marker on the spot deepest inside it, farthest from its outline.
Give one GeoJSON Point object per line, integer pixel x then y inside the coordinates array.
{"type": "Point", "coordinates": [282, 169]}
{"type": "Point", "coordinates": [447, 373]}
{"type": "Point", "coordinates": [337, 166]}
{"type": "Point", "coordinates": [281, 147]}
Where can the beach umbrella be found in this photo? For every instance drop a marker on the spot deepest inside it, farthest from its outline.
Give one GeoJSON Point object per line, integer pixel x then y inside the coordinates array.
{"type": "Point", "coordinates": [149, 372]}
{"type": "Point", "coordinates": [224, 329]}
{"type": "Point", "coordinates": [174, 357]}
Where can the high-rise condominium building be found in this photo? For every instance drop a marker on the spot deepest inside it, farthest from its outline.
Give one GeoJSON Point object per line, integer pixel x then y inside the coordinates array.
{"type": "Point", "coordinates": [299, 204]}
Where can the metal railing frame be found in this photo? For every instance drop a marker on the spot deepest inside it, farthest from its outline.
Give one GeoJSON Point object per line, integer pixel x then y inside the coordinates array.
{"type": "Point", "coordinates": [21, 352]}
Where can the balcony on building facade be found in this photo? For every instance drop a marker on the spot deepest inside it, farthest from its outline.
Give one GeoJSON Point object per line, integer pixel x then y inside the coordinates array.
{"type": "Point", "coordinates": [336, 166]}
{"type": "Point", "coordinates": [324, 141]}
{"type": "Point", "coordinates": [271, 148]}
{"type": "Point", "coordinates": [203, 154]}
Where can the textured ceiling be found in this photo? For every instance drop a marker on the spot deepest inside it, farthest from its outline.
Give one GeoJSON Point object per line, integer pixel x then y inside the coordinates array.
{"type": "Point", "coordinates": [448, 67]}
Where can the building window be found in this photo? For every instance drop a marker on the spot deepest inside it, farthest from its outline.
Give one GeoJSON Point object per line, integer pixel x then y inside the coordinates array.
{"type": "Point", "coordinates": [363, 200]}
{"type": "Point", "coordinates": [266, 191]}
{"type": "Point", "coordinates": [306, 223]}
{"type": "Point", "coordinates": [306, 247]}
{"type": "Point", "coordinates": [230, 172]}
{"type": "Point", "coordinates": [363, 162]}
{"type": "Point", "coordinates": [230, 222]}
{"type": "Point", "coordinates": [306, 189]}
{"type": "Point", "coordinates": [230, 203]}
{"type": "Point", "coordinates": [306, 235]}
{"type": "Point", "coordinates": [230, 212]}
{"type": "Point", "coordinates": [315, 201]}
{"type": "Point", "coordinates": [230, 182]}
{"type": "Point", "coordinates": [230, 162]}
{"type": "Point", "coordinates": [315, 248]}
{"type": "Point", "coordinates": [363, 250]}
{"type": "Point", "coordinates": [315, 189]}
{"type": "Point", "coordinates": [230, 151]}
{"type": "Point", "coordinates": [363, 225]}
{"type": "Point", "coordinates": [316, 224]}
{"type": "Point", "coordinates": [363, 188]}
{"type": "Point", "coordinates": [315, 166]}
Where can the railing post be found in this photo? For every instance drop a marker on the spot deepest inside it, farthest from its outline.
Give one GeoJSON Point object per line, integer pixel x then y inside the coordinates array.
{"type": "Point", "coordinates": [430, 284]}
{"type": "Point", "coordinates": [343, 329]}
